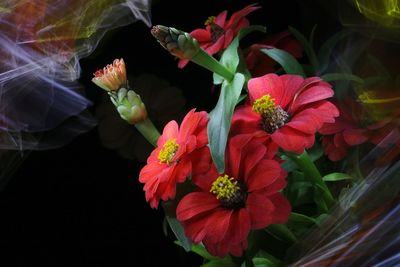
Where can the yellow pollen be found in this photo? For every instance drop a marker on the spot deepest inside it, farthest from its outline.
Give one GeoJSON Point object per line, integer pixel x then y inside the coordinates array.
{"type": "Point", "coordinates": [168, 151]}
{"type": "Point", "coordinates": [224, 187]}
{"type": "Point", "coordinates": [210, 21]}
{"type": "Point", "coordinates": [264, 105]}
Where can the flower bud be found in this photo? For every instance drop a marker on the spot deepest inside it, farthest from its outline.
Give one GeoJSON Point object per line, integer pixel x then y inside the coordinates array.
{"type": "Point", "coordinates": [129, 105]}
{"type": "Point", "coordinates": [178, 43]}
{"type": "Point", "coordinates": [112, 77]}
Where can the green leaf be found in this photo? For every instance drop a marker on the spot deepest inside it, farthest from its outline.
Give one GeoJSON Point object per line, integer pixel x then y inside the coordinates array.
{"type": "Point", "coordinates": [301, 218]}
{"type": "Point", "coordinates": [330, 77]}
{"type": "Point", "coordinates": [336, 176]}
{"type": "Point", "coordinates": [261, 262]}
{"type": "Point", "coordinates": [177, 228]}
{"type": "Point", "coordinates": [230, 57]}
{"type": "Point", "coordinates": [308, 49]}
{"type": "Point", "coordinates": [286, 60]}
{"type": "Point", "coordinates": [200, 250]}
{"type": "Point", "coordinates": [281, 232]}
{"type": "Point", "coordinates": [219, 263]}
{"type": "Point", "coordinates": [221, 117]}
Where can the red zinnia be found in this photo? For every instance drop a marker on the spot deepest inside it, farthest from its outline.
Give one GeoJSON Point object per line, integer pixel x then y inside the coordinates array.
{"type": "Point", "coordinates": [345, 132]}
{"type": "Point", "coordinates": [287, 109]}
{"type": "Point", "coordinates": [259, 64]}
{"type": "Point", "coordinates": [228, 205]}
{"type": "Point", "coordinates": [220, 32]}
{"type": "Point", "coordinates": [170, 162]}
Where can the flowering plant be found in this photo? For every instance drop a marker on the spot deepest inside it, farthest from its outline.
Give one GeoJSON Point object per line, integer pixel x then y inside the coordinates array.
{"type": "Point", "coordinates": [261, 168]}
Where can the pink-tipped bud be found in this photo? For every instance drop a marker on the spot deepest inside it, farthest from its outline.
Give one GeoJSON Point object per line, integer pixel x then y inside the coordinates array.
{"type": "Point", "coordinates": [112, 77]}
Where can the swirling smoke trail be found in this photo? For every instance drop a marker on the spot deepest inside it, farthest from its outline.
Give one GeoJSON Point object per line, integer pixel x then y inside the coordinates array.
{"type": "Point", "coordinates": [42, 106]}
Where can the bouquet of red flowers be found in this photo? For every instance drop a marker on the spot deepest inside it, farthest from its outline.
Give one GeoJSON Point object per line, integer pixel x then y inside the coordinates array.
{"type": "Point", "coordinates": [272, 174]}
{"type": "Point", "coordinates": [296, 164]}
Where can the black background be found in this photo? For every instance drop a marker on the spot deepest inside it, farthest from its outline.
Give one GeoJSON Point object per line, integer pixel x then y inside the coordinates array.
{"type": "Point", "coordinates": [82, 205]}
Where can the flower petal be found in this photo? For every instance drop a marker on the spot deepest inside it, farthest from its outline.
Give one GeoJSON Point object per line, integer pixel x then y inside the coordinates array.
{"type": "Point", "coordinates": [309, 95]}
{"type": "Point", "coordinates": [194, 204]}
{"type": "Point", "coordinates": [292, 140]}
{"type": "Point", "coordinates": [282, 209]}
{"type": "Point", "coordinates": [170, 132]}
{"type": "Point", "coordinates": [262, 175]}
{"type": "Point", "coordinates": [355, 136]}
{"type": "Point", "coordinates": [307, 121]}
{"type": "Point", "coordinates": [260, 209]}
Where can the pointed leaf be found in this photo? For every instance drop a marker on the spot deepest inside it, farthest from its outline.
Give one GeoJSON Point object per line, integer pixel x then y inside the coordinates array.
{"type": "Point", "coordinates": [230, 57]}
{"type": "Point", "coordinates": [308, 49]}
{"type": "Point", "coordinates": [286, 60]}
{"type": "Point", "coordinates": [221, 117]}
{"type": "Point", "coordinates": [336, 176]}
{"type": "Point", "coordinates": [301, 218]}
{"type": "Point", "coordinates": [177, 228]}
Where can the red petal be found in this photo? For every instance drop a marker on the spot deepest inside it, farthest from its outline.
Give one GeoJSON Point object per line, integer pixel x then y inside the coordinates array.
{"type": "Point", "coordinates": [201, 35]}
{"type": "Point", "coordinates": [221, 18]}
{"type": "Point", "coordinates": [204, 172]}
{"type": "Point", "coordinates": [239, 227]}
{"type": "Point", "coordinates": [277, 185]}
{"type": "Point", "coordinates": [234, 154]}
{"type": "Point", "coordinates": [355, 136]}
{"type": "Point", "coordinates": [338, 140]}
{"type": "Point", "coordinates": [245, 120]}
{"type": "Point", "coordinates": [237, 249]}
{"type": "Point", "coordinates": [307, 121]}
{"type": "Point", "coordinates": [267, 84]}
{"type": "Point", "coordinates": [326, 110]}
{"type": "Point", "coordinates": [228, 38]}
{"type": "Point", "coordinates": [291, 84]}
{"type": "Point", "coordinates": [263, 174]}
{"type": "Point", "coordinates": [332, 128]}
{"type": "Point", "coordinates": [218, 225]}
{"type": "Point", "coordinates": [183, 170]}
{"type": "Point", "coordinates": [292, 140]}
{"type": "Point", "coordinates": [237, 16]}
{"type": "Point", "coordinates": [252, 153]}
{"type": "Point", "coordinates": [170, 132]}
{"type": "Point", "coordinates": [260, 209]}
{"type": "Point", "coordinates": [194, 204]}
{"type": "Point", "coordinates": [182, 63]}
{"type": "Point", "coordinates": [309, 95]}
{"type": "Point", "coordinates": [216, 47]}
{"type": "Point", "coordinates": [282, 209]}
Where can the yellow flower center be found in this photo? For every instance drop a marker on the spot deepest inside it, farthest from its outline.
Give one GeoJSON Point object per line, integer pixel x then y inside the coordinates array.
{"type": "Point", "coordinates": [210, 21]}
{"type": "Point", "coordinates": [264, 105]}
{"type": "Point", "coordinates": [168, 151]}
{"type": "Point", "coordinates": [224, 187]}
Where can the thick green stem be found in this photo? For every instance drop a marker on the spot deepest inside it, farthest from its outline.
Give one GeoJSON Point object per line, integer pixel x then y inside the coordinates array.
{"type": "Point", "coordinates": [205, 60]}
{"type": "Point", "coordinates": [148, 130]}
{"type": "Point", "coordinates": [311, 172]}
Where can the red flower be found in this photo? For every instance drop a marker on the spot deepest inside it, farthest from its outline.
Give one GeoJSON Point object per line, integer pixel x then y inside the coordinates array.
{"type": "Point", "coordinates": [286, 109]}
{"type": "Point", "coordinates": [228, 205]}
{"type": "Point", "coordinates": [259, 64]}
{"type": "Point", "coordinates": [220, 32]}
{"type": "Point", "coordinates": [345, 132]}
{"type": "Point", "coordinates": [170, 163]}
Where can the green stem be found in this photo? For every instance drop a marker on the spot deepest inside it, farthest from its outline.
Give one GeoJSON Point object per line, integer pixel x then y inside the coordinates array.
{"type": "Point", "coordinates": [205, 60]}
{"type": "Point", "coordinates": [148, 130]}
{"type": "Point", "coordinates": [311, 172]}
